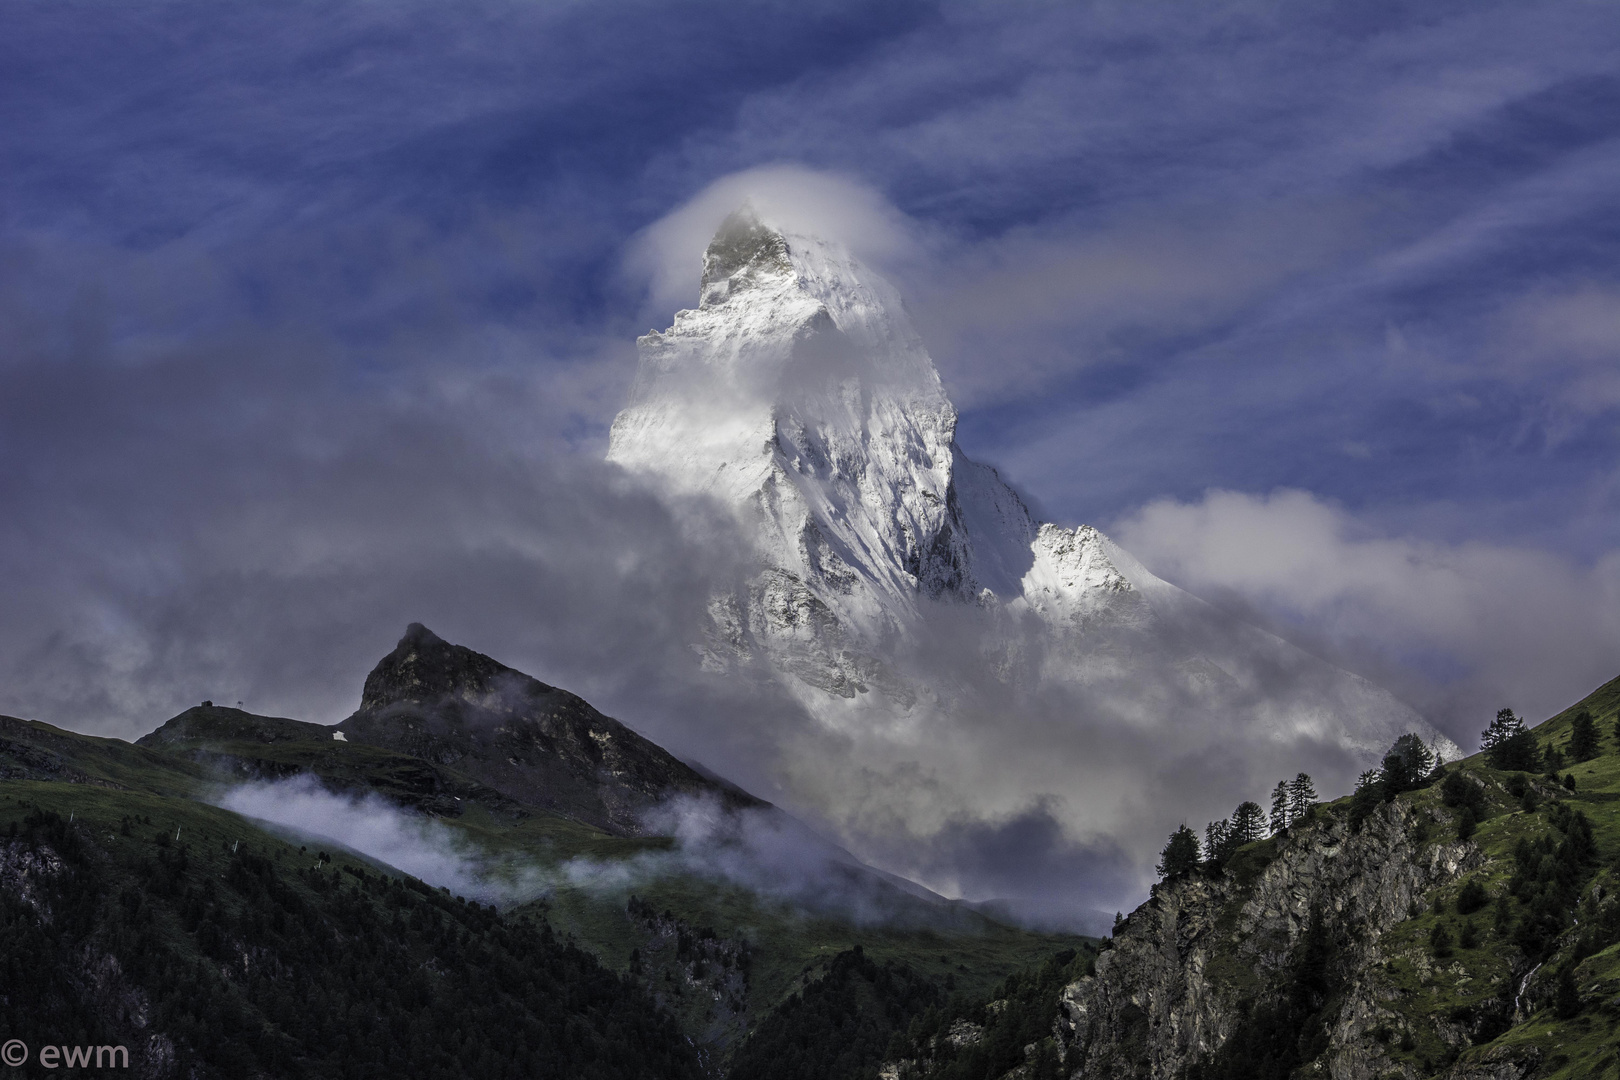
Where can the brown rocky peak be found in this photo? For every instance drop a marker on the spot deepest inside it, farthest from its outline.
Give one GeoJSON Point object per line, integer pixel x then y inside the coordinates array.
{"type": "Point", "coordinates": [742, 242]}
{"type": "Point", "coordinates": [424, 668]}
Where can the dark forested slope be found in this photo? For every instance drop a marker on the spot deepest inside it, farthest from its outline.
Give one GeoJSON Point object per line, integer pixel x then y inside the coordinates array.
{"type": "Point", "coordinates": [221, 952]}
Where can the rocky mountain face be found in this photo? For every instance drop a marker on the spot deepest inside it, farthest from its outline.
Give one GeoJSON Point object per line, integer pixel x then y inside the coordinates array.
{"type": "Point", "coordinates": [1208, 956]}
{"type": "Point", "coordinates": [799, 394]}
{"type": "Point", "coordinates": [536, 744]}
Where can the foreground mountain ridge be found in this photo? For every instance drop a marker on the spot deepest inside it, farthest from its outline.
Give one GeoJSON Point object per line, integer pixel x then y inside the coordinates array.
{"type": "Point", "coordinates": [1465, 929]}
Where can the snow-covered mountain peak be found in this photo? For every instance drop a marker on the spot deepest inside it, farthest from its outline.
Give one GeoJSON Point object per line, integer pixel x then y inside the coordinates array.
{"type": "Point", "coordinates": [743, 254]}
{"type": "Point", "coordinates": [1072, 575]}
{"type": "Point", "coordinates": [783, 315]}
{"type": "Point", "coordinates": [799, 392]}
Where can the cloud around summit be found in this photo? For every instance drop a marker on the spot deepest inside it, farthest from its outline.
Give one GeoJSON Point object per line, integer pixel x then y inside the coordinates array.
{"type": "Point", "coordinates": [789, 197]}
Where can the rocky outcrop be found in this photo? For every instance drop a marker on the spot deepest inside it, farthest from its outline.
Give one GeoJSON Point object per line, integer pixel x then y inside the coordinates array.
{"type": "Point", "coordinates": [536, 744]}
{"type": "Point", "coordinates": [1501, 1063]}
{"type": "Point", "coordinates": [696, 974]}
{"type": "Point", "coordinates": [1206, 954]}
{"type": "Point", "coordinates": [22, 868]}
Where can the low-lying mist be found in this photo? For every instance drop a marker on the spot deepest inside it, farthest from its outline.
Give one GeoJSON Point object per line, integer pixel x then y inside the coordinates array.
{"type": "Point", "coordinates": [368, 824]}
{"type": "Point", "coordinates": [763, 851]}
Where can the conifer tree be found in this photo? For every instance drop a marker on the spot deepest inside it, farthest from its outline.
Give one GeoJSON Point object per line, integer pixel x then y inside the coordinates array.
{"type": "Point", "coordinates": [1407, 765]}
{"type": "Point", "coordinates": [1505, 726]}
{"type": "Point", "coordinates": [1566, 997]}
{"type": "Point", "coordinates": [1583, 737]}
{"type": "Point", "coordinates": [1508, 744]}
{"type": "Point", "coordinates": [1248, 823]}
{"type": "Point", "coordinates": [1180, 856]}
{"type": "Point", "coordinates": [1440, 940]}
{"type": "Point", "coordinates": [1280, 818]}
{"type": "Point", "coordinates": [1301, 796]}
{"type": "Point", "coordinates": [1217, 842]}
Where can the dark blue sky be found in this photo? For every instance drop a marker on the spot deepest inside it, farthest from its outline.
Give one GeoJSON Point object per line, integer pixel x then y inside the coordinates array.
{"type": "Point", "coordinates": [280, 280]}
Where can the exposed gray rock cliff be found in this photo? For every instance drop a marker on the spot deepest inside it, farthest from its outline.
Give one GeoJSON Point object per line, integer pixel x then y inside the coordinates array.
{"type": "Point", "coordinates": [1207, 955]}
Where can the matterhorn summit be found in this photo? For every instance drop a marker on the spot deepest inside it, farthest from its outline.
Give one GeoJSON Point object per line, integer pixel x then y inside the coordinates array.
{"type": "Point", "coordinates": [799, 394]}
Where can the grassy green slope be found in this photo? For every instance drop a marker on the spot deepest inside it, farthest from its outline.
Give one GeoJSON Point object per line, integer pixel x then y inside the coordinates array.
{"type": "Point", "coordinates": [30, 750]}
{"type": "Point", "coordinates": [1570, 1046]}
{"type": "Point", "coordinates": [211, 949]}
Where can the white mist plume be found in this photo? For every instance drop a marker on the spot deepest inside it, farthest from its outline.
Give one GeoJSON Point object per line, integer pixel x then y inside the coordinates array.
{"type": "Point", "coordinates": [419, 846]}
{"type": "Point", "coordinates": [764, 851]}
{"type": "Point", "coordinates": [771, 853]}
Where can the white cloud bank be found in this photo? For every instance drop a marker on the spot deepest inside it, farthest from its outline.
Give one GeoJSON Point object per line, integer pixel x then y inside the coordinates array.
{"type": "Point", "coordinates": [1467, 626]}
